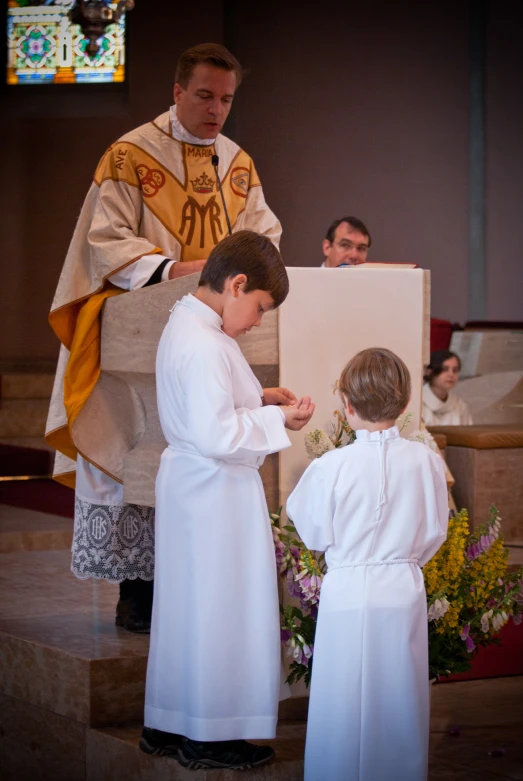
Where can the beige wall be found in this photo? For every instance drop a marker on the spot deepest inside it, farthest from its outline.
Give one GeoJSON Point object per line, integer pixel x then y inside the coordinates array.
{"type": "Point", "coordinates": [348, 108]}
{"type": "Point", "coordinates": [504, 171]}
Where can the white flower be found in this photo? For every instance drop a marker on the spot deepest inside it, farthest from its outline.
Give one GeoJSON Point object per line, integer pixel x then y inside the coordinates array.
{"type": "Point", "coordinates": [405, 421]}
{"type": "Point", "coordinates": [485, 621]}
{"type": "Point", "coordinates": [498, 620]}
{"type": "Point", "coordinates": [317, 443]}
{"type": "Point", "coordinates": [438, 609]}
{"type": "Point", "coordinates": [425, 437]}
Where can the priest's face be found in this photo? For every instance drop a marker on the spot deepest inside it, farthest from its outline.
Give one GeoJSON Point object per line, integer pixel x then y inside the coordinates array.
{"type": "Point", "coordinates": [243, 311]}
{"type": "Point", "coordinates": [204, 105]}
{"type": "Point", "coordinates": [349, 247]}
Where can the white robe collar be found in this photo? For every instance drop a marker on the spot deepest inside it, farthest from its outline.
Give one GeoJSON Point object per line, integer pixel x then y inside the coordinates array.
{"type": "Point", "coordinates": [376, 436]}
{"type": "Point", "coordinates": [181, 134]}
{"type": "Point", "coordinates": [202, 310]}
{"type": "Point", "coordinates": [435, 404]}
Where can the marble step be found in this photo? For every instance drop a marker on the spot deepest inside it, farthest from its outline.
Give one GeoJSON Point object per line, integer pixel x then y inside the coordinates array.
{"type": "Point", "coordinates": [16, 385]}
{"type": "Point", "coordinates": [476, 729]}
{"type": "Point", "coordinates": [23, 417]}
{"type": "Point", "coordinates": [113, 755]}
{"type": "Point", "coordinates": [469, 721]}
{"type": "Point", "coordinates": [59, 647]}
{"type": "Point", "coordinates": [28, 366]}
{"type": "Point", "coordinates": [29, 530]}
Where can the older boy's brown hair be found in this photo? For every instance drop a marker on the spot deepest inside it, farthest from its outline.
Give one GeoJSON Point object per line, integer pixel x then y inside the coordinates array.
{"type": "Point", "coordinates": [252, 254]}
{"type": "Point", "coordinates": [377, 384]}
{"type": "Point", "coordinates": [206, 54]}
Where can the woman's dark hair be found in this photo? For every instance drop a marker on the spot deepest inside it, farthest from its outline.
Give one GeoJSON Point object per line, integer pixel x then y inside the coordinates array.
{"type": "Point", "coordinates": [249, 253]}
{"type": "Point", "coordinates": [437, 359]}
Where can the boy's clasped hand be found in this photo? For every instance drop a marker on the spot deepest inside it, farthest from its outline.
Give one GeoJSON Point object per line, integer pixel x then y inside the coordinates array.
{"type": "Point", "coordinates": [297, 412]}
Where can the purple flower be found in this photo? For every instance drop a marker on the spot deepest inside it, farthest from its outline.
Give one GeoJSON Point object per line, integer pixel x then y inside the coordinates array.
{"type": "Point", "coordinates": [517, 619]}
{"type": "Point", "coordinates": [469, 644]}
{"type": "Point", "coordinates": [465, 632]}
{"type": "Point", "coordinates": [474, 551]}
{"type": "Point", "coordinates": [285, 636]}
{"type": "Point", "coordinates": [292, 586]}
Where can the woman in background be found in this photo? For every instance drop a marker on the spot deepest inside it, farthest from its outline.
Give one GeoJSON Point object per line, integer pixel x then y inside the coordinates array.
{"type": "Point", "coordinates": [441, 407]}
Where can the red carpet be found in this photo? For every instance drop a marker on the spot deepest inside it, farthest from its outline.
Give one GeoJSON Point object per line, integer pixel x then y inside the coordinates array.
{"type": "Point", "coordinates": [15, 460]}
{"type": "Point", "coordinates": [44, 495]}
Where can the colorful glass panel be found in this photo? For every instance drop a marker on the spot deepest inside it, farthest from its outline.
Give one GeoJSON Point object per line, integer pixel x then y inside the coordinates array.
{"type": "Point", "coordinates": [44, 47]}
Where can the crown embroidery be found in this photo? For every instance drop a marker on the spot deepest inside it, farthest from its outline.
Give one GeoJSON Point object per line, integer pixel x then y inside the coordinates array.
{"type": "Point", "coordinates": [203, 184]}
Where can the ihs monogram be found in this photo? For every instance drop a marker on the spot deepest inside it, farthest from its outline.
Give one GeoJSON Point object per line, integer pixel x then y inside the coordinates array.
{"type": "Point", "coordinates": [203, 184]}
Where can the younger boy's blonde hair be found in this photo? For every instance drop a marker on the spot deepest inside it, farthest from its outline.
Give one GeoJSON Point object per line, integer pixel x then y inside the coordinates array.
{"type": "Point", "coordinates": [377, 384]}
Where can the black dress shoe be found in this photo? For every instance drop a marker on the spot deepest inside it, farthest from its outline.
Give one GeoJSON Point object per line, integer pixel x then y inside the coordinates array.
{"type": "Point", "coordinates": [160, 744]}
{"type": "Point", "coordinates": [134, 608]}
{"type": "Point", "coordinates": [234, 754]}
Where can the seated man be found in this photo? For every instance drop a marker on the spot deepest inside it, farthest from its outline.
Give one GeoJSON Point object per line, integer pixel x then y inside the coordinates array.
{"type": "Point", "coordinates": [346, 243]}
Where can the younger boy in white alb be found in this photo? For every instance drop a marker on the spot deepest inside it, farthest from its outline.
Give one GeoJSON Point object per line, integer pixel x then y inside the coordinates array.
{"type": "Point", "coordinates": [213, 677]}
{"type": "Point", "coordinates": [379, 509]}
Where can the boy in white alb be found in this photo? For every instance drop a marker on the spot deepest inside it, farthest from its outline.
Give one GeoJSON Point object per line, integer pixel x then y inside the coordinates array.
{"type": "Point", "coordinates": [213, 676]}
{"type": "Point", "coordinates": [379, 509]}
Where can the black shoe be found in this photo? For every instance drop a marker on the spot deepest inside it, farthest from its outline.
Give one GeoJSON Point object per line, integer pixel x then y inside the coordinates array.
{"type": "Point", "coordinates": [134, 608]}
{"type": "Point", "coordinates": [234, 754]}
{"type": "Point", "coordinates": [161, 744]}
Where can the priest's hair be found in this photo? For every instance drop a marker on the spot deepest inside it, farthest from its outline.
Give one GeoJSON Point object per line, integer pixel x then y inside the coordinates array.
{"type": "Point", "coordinates": [206, 54]}
{"type": "Point", "coordinates": [249, 253]}
{"type": "Point", "coordinates": [377, 384]}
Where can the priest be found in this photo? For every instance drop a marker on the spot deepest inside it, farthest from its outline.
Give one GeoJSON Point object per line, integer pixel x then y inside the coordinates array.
{"type": "Point", "coordinates": [163, 196]}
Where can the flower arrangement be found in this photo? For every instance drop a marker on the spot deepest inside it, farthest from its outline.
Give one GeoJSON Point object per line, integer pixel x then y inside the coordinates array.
{"type": "Point", "coordinates": [302, 572]}
{"type": "Point", "coordinates": [471, 593]}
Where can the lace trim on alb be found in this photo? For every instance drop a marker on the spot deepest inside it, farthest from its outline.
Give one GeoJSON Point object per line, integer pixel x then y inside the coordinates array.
{"type": "Point", "coordinates": [112, 541]}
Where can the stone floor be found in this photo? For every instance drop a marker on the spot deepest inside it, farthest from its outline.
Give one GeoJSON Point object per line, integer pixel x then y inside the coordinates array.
{"type": "Point", "coordinates": [72, 685]}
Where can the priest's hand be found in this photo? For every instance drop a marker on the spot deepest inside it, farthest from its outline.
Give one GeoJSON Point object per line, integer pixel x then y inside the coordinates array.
{"type": "Point", "coordinates": [278, 396]}
{"type": "Point", "coordinates": [181, 269]}
{"type": "Point", "coordinates": [298, 415]}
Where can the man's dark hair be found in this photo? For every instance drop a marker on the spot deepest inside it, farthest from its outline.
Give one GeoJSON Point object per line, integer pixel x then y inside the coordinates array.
{"type": "Point", "coordinates": [354, 223]}
{"type": "Point", "coordinates": [251, 254]}
{"type": "Point", "coordinates": [206, 54]}
{"type": "Point", "coordinates": [437, 359]}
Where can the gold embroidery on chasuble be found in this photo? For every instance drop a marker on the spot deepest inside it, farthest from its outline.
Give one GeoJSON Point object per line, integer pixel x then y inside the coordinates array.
{"type": "Point", "coordinates": [191, 211]}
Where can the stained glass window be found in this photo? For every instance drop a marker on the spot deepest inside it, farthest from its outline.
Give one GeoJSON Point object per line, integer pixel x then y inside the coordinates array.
{"type": "Point", "coordinates": [44, 47]}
